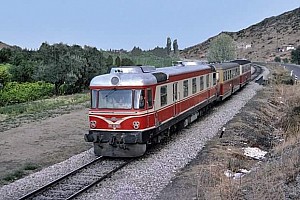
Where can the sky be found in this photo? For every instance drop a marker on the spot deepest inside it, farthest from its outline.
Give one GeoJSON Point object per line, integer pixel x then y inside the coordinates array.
{"type": "Point", "coordinates": [123, 24]}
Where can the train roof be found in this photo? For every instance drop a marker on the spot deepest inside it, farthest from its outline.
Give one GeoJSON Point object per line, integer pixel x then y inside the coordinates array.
{"type": "Point", "coordinates": [241, 61]}
{"type": "Point", "coordinates": [143, 75]}
{"type": "Point", "coordinates": [227, 65]}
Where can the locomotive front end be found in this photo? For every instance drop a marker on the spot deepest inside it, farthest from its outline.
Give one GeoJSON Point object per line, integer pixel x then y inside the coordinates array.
{"type": "Point", "coordinates": [120, 121]}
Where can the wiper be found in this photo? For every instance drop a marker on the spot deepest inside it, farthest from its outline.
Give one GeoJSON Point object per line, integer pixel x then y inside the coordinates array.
{"type": "Point", "coordinates": [110, 92]}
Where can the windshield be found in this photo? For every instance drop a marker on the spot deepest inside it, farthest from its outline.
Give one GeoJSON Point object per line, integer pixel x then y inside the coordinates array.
{"type": "Point", "coordinates": [121, 99]}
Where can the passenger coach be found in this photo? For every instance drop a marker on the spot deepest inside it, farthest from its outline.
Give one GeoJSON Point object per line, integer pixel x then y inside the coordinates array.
{"type": "Point", "coordinates": [245, 71]}
{"type": "Point", "coordinates": [229, 78]}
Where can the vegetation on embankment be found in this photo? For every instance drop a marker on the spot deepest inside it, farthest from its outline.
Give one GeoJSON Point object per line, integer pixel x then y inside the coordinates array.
{"type": "Point", "coordinates": [14, 115]}
{"type": "Point", "coordinates": [270, 122]}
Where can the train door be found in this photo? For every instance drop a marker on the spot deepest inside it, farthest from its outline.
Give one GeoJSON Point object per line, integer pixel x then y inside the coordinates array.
{"type": "Point", "coordinates": [175, 98]}
{"type": "Point", "coordinates": [149, 104]}
{"type": "Point", "coordinates": [208, 85]}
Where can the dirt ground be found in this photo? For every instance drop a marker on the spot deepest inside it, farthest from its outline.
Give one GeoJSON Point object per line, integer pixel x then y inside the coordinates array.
{"type": "Point", "coordinates": [277, 176]}
{"type": "Point", "coordinates": [42, 143]}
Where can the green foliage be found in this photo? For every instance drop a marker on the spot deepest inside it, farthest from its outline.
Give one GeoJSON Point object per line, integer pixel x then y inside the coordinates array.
{"type": "Point", "coordinates": [136, 51]}
{"type": "Point", "coordinates": [221, 49]}
{"type": "Point", "coordinates": [127, 62]}
{"type": "Point", "coordinates": [295, 56]}
{"type": "Point", "coordinates": [5, 55]}
{"type": "Point", "coordinates": [168, 47]}
{"type": "Point", "coordinates": [30, 166]}
{"type": "Point", "coordinates": [109, 61]}
{"type": "Point", "coordinates": [14, 92]}
{"type": "Point", "coordinates": [175, 47]}
{"type": "Point", "coordinates": [118, 61]}
{"type": "Point", "coordinates": [17, 174]}
{"type": "Point", "coordinates": [23, 72]}
{"type": "Point", "coordinates": [73, 66]}
{"type": "Point", "coordinates": [159, 51]}
{"type": "Point", "coordinates": [286, 60]}
{"type": "Point", "coordinates": [45, 105]}
{"type": "Point", "coordinates": [277, 59]}
{"type": "Point", "coordinates": [5, 76]}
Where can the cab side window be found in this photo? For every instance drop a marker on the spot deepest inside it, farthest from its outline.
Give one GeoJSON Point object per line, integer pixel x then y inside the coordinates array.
{"type": "Point", "coordinates": [149, 98]}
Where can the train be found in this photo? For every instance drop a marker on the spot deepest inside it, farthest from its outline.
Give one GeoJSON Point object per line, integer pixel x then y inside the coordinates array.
{"type": "Point", "coordinates": [133, 107]}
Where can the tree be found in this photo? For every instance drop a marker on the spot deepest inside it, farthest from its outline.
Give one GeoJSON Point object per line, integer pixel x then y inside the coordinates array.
{"type": "Point", "coordinates": [221, 49]}
{"type": "Point", "coordinates": [295, 56]}
{"type": "Point", "coordinates": [136, 51]}
{"type": "Point", "coordinates": [5, 76]}
{"type": "Point", "coordinates": [127, 62]}
{"type": "Point", "coordinates": [23, 72]}
{"type": "Point", "coordinates": [277, 59]}
{"type": "Point", "coordinates": [159, 51]}
{"type": "Point", "coordinates": [109, 61]}
{"type": "Point", "coordinates": [175, 47]}
{"type": "Point", "coordinates": [57, 66]}
{"type": "Point", "coordinates": [168, 48]}
{"type": "Point", "coordinates": [118, 61]}
{"type": "Point", "coordinates": [5, 55]}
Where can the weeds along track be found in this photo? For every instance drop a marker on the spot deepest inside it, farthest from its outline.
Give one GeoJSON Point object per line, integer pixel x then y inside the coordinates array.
{"type": "Point", "coordinates": [79, 180]}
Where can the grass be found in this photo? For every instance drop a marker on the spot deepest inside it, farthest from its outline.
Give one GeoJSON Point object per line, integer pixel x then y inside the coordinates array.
{"type": "Point", "coordinates": [19, 173]}
{"type": "Point", "coordinates": [43, 105]}
{"type": "Point", "coordinates": [14, 115]}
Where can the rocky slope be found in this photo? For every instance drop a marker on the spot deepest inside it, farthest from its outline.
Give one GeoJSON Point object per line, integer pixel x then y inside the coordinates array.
{"type": "Point", "coordinates": [263, 41]}
{"type": "Point", "coordinates": [3, 45]}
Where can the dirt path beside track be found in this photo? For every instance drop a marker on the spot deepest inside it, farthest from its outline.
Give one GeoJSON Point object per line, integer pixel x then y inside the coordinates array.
{"type": "Point", "coordinates": [42, 143]}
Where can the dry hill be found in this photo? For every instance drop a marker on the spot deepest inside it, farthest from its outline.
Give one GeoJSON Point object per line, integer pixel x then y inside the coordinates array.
{"type": "Point", "coordinates": [3, 45]}
{"type": "Point", "coordinates": [274, 36]}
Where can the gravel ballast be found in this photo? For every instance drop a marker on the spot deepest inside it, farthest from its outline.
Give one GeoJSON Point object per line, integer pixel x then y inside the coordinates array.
{"type": "Point", "coordinates": [146, 177]}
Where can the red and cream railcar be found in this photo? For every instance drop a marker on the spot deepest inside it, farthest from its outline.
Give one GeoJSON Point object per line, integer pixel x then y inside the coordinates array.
{"type": "Point", "coordinates": [229, 78]}
{"type": "Point", "coordinates": [136, 105]}
{"type": "Point", "coordinates": [245, 71]}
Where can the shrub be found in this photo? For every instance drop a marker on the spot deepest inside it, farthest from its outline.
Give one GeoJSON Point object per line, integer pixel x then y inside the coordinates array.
{"type": "Point", "coordinates": [14, 92]}
{"type": "Point", "coordinates": [277, 59]}
{"type": "Point", "coordinates": [5, 76]}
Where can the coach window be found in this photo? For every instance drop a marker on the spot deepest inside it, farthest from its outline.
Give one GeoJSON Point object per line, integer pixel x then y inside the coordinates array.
{"type": "Point", "coordinates": [194, 86]}
{"type": "Point", "coordinates": [214, 78]}
{"type": "Point", "coordinates": [149, 98]}
{"type": "Point", "coordinates": [207, 81]}
{"type": "Point", "coordinates": [139, 99]}
{"type": "Point", "coordinates": [201, 83]}
{"type": "Point", "coordinates": [224, 76]}
{"type": "Point", "coordinates": [163, 96]}
{"type": "Point", "coordinates": [175, 91]}
{"type": "Point", "coordinates": [94, 94]}
{"type": "Point", "coordinates": [185, 88]}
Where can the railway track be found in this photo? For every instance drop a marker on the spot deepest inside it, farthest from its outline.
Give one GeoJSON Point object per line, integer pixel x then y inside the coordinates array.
{"type": "Point", "coordinates": [79, 180]}
{"type": "Point", "coordinates": [257, 72]}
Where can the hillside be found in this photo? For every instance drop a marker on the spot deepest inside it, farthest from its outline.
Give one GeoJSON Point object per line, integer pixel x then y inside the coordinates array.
{"type": "Point", "coordinates": [3, 45]}
{"type": "Point", "coordinates": [263, 41]}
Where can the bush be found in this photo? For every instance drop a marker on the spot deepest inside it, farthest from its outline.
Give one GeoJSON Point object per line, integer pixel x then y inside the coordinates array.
{"type": "Point", "coordinates": [14, 92]}
{"type": "Point", "coordinates": [5, 76]}
{"type": "Point", "coordinates": [277, 59]}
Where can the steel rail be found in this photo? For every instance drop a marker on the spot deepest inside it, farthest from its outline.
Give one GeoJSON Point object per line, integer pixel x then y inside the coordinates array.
{"type": "Point", "coordinates": [41, 189]}
{"type": "Point", "coordinates": [109, 174]}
